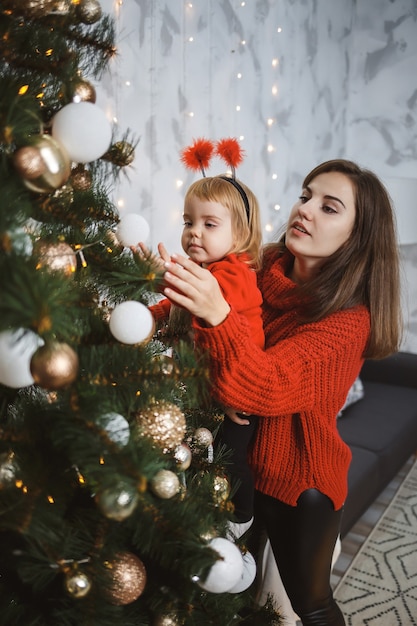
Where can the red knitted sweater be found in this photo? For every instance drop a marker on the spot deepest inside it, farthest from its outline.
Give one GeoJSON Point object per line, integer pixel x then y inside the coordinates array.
{"type": "Point", "coordinates": [297, 384]}
{"type": "Point", "coordinates": [237, 281]}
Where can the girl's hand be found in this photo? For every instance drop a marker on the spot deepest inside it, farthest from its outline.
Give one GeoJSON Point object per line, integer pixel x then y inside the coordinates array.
{"type": "Point", "coordinates": [195, 289]}
{"type": "Point", "coordinates": [159, 261]}
{"type": "Point", "coordinates": [233, 415]}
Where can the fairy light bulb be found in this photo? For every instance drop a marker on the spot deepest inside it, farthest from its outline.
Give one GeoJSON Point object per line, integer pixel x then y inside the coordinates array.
{"type": "Point", "coordinates": [274, 90]}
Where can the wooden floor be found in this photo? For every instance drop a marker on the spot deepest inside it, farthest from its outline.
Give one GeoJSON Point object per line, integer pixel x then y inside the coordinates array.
{"type": "Point", "coordinates": [355, 538]}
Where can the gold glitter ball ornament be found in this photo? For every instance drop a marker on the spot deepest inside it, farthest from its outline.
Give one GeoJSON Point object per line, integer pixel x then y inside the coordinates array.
{"type": "Point", "coordinates": [77, 584]}
{"type": "Point", "coordinates": [83, 91]}
{"type": "Point", "coordinates": [121, 153]}
{"type": "Point", "coordinates": [54, 365]}
{"type": "Point", "coordinates": [57, 257]}
{"type": "Point", "coordinates": [221, 489]}
{"type": "Point", "coordinates": [164, 423]}
{"type": "Point", "coordinates": [43, 164]}
{"type": "Point", "coordinates": [81, 178]}
{"type": "Point", "coordinates": [165, 484]}
{"type": "Point", "coordinates": [128, 576]}
{"type": "Point", "coordinates": [89, 11]}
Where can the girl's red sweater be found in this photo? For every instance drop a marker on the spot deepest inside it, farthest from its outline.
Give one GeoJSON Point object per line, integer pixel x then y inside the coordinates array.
{"type": "Point", "coordinates": [297, 384]}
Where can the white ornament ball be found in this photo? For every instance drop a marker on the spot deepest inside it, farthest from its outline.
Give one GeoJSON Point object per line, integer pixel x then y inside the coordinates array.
{"type": "Point", "coordinates": [117, 428]}
{"type": "Point", "coordinates": [227, 571]}
{"type": "Point", "coordinates": [248, 574]}
{"type": "Point", "coordinates": [131, 229]}
{"type": "Point", "coordinates": [131, 322]}
{"type": "Point", "coordinates": [16, 350]}
{"type": "Point", "coordinates": [83, 129]}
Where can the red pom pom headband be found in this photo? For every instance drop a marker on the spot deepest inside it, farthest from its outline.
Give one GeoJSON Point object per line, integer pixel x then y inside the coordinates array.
{"type": "Point", "coordinates": [198, 156]}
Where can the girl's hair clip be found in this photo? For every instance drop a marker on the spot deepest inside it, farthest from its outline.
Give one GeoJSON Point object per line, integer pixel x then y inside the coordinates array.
{"type": "Point", "coordinates": [198, 156]}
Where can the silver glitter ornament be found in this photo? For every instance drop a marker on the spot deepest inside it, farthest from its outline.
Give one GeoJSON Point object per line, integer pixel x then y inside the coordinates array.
{"type": "Point", "coordinates": [118, 502]}
{"type": "Point", "coordinates": [165, 484]}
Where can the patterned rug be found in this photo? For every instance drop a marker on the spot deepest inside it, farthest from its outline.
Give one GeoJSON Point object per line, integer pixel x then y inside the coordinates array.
{"type": "Point", "coordinates": [380, 586]}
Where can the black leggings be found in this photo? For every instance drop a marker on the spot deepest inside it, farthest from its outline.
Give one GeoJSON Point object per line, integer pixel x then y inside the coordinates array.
{"type": "Point", "coordinates": [303, 539]}
{"type": "Point", "coordinates": [237, 439]}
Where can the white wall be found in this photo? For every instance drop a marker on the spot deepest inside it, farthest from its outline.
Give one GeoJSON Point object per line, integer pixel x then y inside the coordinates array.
{"type": "Point", "coordinates": [299, 81]}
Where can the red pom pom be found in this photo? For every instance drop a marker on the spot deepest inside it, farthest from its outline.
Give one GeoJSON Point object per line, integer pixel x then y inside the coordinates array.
{"type": "Point", "coordinates": [197, 156]}
{"type": "Point", "coordinates": [230, 151]}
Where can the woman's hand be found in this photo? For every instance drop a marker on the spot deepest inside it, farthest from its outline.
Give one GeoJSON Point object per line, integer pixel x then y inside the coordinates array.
{"type": "Point", "coordinates": [195, 289]}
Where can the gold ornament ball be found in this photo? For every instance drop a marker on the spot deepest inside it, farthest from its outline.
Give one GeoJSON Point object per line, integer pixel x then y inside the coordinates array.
{"type": "Point", "coordinates": [117, 503]}
{"type": "Point", "coordinates": [203, 438]}
{"type": "Point", "coordinates": [121, 153]}
{"type": "Point", "coordinates": [183, 456]}
{"type": "Point", "coordinates": [83, 91]}
{"type": "Point", "coordinates": [164, 423]}
{"type": "Point", "coordinates": [89, 11]}
{"type": "Point", "coordinates": [77, 584]}
{"type": "Point", "coordinates": [30, 8]}
{"type": "Point", "coordinates": [57, 257]}
{"type": "Point", "coordinates": [43, 164]}
{"type": "Point", "coordinates": [54, 365]}
{"type": "Point", "coordinates": [165, 484]}
{"type": "Point", "coordinates": [81, 178]}
{"type": "Point", "coordinates": [128, 575]}
{"type": "Point", "coordinates": [29, 163]}
{"type": "Point", "coordinates": [221, 489]}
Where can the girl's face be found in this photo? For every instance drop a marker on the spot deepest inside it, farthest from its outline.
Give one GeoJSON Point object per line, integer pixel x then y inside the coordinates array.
{"type": "Point", "coordinates": [207, 235]}
{"type": "Point", "coordinates": [320, 222]}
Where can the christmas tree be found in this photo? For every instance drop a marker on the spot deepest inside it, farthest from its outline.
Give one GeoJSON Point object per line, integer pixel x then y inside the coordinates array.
{"type": "Point", "coordinates": [113, 502]}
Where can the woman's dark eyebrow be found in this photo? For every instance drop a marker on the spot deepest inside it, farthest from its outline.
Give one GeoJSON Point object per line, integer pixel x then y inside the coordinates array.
{"type": "Point", "coordinates": [307, 188]}
{"type": "Point", "coordinates": [336, 200]}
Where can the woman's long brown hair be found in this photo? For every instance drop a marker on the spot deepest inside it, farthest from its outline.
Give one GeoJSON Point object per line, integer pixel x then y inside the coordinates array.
{"type": "Point", "coordinates": [366, 268]}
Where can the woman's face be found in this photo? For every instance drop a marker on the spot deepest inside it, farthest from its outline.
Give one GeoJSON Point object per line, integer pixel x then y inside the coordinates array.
{"type": "Point", "coordinates": [321, 221]}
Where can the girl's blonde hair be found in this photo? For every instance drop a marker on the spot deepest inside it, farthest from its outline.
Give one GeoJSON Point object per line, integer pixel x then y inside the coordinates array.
{"type": "Point", "coordinates": [247, 231]}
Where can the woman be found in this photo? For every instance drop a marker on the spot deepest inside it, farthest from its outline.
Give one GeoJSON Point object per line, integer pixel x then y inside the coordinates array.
{"type": "Point", "coordinates": [331, 298]}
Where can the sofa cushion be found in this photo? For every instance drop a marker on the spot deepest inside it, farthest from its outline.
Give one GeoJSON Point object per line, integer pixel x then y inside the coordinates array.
{"type": "Point", "coordinates": [384, 422]}
{"type": "Point", "coordinates": [363, 486]}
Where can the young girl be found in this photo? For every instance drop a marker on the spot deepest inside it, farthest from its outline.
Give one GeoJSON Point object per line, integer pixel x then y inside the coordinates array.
{"type": "Point", "coordinates": [331, 297]}
{"type": "Point", "coordinates": [222, 233]}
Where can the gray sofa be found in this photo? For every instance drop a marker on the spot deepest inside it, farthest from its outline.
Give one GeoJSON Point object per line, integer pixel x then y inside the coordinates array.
{"type": "Point", "coordinates": [381, 430]}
